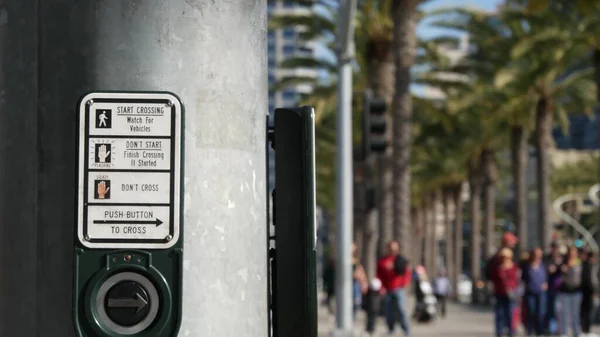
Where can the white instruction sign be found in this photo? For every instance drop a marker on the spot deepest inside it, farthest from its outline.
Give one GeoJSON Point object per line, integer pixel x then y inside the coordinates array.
{"type": "Point", "coordinates": [129, 170]}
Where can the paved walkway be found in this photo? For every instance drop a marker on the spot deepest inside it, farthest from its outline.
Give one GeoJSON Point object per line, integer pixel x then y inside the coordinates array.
{"type": "Point", "coordinates": [461, 321]}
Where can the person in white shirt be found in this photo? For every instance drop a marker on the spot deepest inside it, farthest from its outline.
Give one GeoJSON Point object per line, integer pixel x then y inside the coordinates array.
{"type": "Point", "coordinates": [441, 290]}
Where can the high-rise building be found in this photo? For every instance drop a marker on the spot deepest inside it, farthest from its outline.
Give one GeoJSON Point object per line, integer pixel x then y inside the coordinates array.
{"type": "Point", "coordinates": [284, 44]}
{"type": "Point", "coordinates": [583, 133]}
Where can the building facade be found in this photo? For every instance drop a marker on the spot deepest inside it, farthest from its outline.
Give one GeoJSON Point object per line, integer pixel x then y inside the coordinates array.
{"type": "Point", "coordinates": [583, 133]}
{"type": "Point", "coordinates": [284, 44]}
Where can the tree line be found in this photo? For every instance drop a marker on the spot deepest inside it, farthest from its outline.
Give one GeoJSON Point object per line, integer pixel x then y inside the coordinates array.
{"type": "Point", "coordinates": [523, 70]}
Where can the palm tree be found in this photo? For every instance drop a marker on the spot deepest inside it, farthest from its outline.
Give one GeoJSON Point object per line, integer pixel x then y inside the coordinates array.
{"type": "Point", "coordinates": [512, 104]}
{"type": "Point", "coordinates": [418, 232]}
{"type": "Point", "coordinates": [557, 83]}
{"type": "Point", "coordinates": [375, 70]}
{"type": "Point", "coordinates": [438, 168]}
{"type": "Point", "coordinates": [467, 85]}
{"type": "Point", "coordinates": [374, 53]}
{"type": "Point", "coordinates": [449, 237]}
{"type": "Point", "coordinates": [585, 19]}
{"type": "Point", "coordinates": [490, 41]}
{"type": "Point", "coordinates": [374, 45]}
{"type": "Point", "coordinates": [316, 27]}
{"type": "Point", "coordinates": [405, 18]}
{"type": "Point", "coordinates": [519, 154]}
{"type": "Point", "coordinates": [489, 168]}
{"type": "Point", "coordinates": [458, 236]}
{"type": "Point", "coordinates": [582, 20]}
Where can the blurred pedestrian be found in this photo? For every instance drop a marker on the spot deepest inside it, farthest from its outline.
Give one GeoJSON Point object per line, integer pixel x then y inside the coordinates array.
{"type": "Point", "coordinates": [418, 275]}
{"type": "Point", "coordinates": [372, 305]}
{"type": "Point", "coordinates": [552, 262]}
{"type": "Point", "coordinates": [360, 281]}
{"type": "Point", "coordinates": [509, 240]}
{"type": "Point", "coordinates": [569, 294]}
{"type": "Point", "coordinates": [505, 280]}
{"type": "Point", "coordinates": [521, 305]}
{"type": "Point", "coordinates": [394, 272]}
{"type": "Point", "coordinates": [441, 290]}
{"type": "Point", "coordinates": [329, 284]}
{"type": "Point", "coordinates": [589, 287]}
{"type": "Point", "coordinates": [535, 279]}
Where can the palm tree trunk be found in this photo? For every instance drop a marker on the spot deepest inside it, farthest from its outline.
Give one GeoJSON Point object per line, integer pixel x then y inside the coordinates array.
{"type": "Point", "coordinates": [414, 214]}
{"type": "Point", "coordinates": [489, 169]}
{"type": "Point", "coordinates": [359, 231]}
{"type": "Point", "coordinates": [519, 153]}
{"type": "Point", "coordinates": [420, 227]}
{"type": "Point", "coordinates": [370, 231]}
{"type": "Point", "coordinates": [449, 251]}
{"type": "Point", "coordinates": [370, 237]}
{"type": "Point", "coordinates": [435, 243]}
{"type": "Point", "coordinates": [596, 60]}
{"type": "Point", "coordinates": [543, 127]}
{"type": "Point", "coordinates": [458, 234]}
{"type": "Point", "coordinates": [475, 184]}
{"type": "Point", "coordinates": [428, 228]}
{"type": "Point", "coordinates": [405, 21]}
{"type": "Point", "coordinates": [382, 82]}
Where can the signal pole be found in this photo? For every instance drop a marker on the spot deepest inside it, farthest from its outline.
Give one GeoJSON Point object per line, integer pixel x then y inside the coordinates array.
{"type": "Point", "coordinates": [53, 52]}
{"type": "Point", "coordinates": [344, 207]}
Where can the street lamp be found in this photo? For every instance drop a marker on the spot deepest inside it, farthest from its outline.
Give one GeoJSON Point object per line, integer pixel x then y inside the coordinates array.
{"type": "Point", "coordinates": [557, 206]}
{"type": "Point", "coordinates": [593, 194]}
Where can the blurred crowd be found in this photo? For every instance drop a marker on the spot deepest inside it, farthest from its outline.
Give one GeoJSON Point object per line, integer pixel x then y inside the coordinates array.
{"type": "Point", "coordinates": [542, 293]}
{"type": "Point", "coordinates": [548, 294]}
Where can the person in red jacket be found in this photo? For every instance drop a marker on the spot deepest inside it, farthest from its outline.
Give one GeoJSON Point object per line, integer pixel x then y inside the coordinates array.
{"type": "Point", "coordinates": [394, 272]}
{"type": "Point", "coordinates": [509, 240]}
{"type": "Point", "coordinates": [505, 279]}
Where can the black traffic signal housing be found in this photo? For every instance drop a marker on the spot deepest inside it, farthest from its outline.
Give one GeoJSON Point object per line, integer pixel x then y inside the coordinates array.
{"type": "Point", "coordinates": [374, 124]}
{"type": "Point", "coordinates": [292, 261]}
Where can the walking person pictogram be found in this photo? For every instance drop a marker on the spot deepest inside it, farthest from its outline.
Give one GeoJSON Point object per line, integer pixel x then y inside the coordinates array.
{"type": "Point", "coordinates": [103, 118]}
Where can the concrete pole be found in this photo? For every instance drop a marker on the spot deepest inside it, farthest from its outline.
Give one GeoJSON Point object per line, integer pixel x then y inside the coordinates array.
{"type": "Point", "coordinates": [213, 55]}
{"type": "Point", "coordinates": [344, 207]}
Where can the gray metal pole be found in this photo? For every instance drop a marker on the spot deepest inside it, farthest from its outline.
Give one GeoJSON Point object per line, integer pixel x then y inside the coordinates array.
{"type": "Point", "coordinates": [343, 274]}
{"type": "Point", "coordinates": [176, 45]}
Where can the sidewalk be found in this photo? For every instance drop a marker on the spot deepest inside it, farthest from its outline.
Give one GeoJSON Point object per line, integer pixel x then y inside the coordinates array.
{"type": "Point", "coordinates": [462, 321]}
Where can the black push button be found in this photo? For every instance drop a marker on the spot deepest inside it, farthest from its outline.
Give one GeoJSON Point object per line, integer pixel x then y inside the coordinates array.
{"type": "Point", "coordinates": [127, 303]}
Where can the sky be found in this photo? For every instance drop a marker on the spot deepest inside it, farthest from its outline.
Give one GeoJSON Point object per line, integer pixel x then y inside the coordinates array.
{"type": "Point", "coordinates": [425, 32]}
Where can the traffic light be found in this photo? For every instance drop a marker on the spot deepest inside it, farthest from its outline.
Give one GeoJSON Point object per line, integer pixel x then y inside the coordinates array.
{"type": "Point", "coordinates": [375, 124]}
